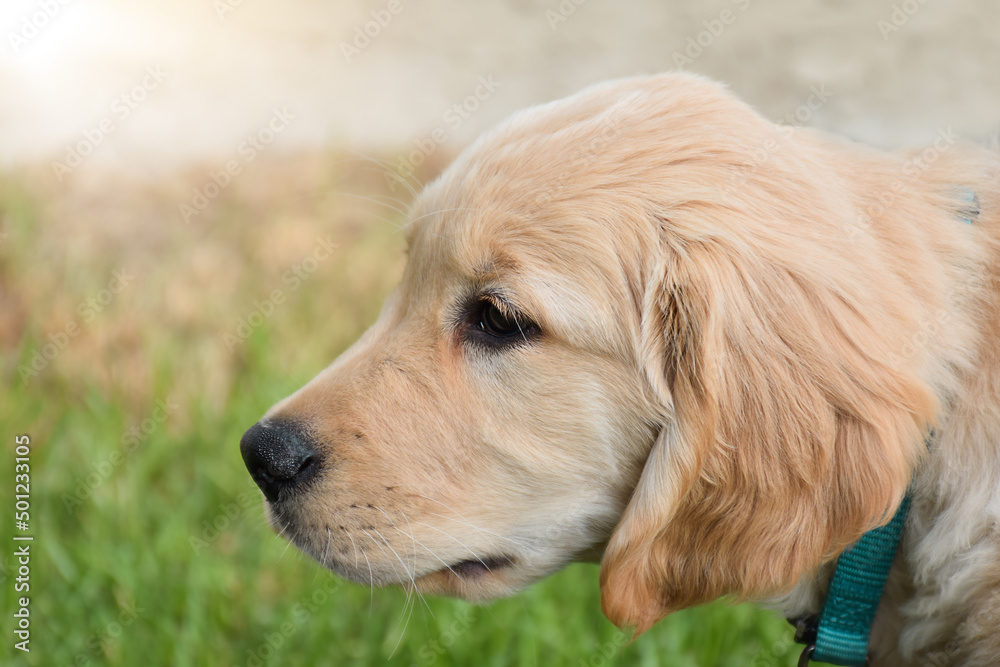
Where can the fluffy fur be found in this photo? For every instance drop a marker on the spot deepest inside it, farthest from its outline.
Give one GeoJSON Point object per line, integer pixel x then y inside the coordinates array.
{"type": "Point", "coordinates": [744, 336]}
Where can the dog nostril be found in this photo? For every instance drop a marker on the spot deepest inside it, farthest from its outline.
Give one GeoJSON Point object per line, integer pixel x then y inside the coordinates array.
{"type": "Point", "coordinates": [306, 468]}
{"type": "Point", "coordinates": [280, 457]}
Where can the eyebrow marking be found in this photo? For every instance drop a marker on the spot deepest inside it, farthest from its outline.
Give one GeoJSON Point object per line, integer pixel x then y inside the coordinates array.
{"type": "Point", "coordinates": [498, 263]}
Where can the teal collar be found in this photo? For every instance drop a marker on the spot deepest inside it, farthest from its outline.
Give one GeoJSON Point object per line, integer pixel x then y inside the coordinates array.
{"type": "Point", "coordinates": [969, 212]}
{"type": "Point", "coordinates": [840, 634]}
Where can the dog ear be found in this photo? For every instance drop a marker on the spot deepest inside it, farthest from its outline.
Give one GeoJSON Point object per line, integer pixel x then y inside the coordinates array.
{"type": "Point", "coordinates": [786, 435]}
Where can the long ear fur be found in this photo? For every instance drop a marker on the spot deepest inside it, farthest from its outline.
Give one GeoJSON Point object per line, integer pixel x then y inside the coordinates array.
{"type": "Point", "coordinates": [787, 434]}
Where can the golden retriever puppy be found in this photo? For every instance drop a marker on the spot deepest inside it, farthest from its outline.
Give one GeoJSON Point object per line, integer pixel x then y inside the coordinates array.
{"type": "Point", "coordinates": [644, 325]}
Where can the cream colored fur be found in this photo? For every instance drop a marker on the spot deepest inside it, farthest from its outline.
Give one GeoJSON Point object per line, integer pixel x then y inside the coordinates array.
{"type": "Point", "coordinates": [745, 334]}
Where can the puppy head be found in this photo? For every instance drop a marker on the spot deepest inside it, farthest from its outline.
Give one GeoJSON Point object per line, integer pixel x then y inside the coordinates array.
{"type": "Point", "coordinates": [618, 327]}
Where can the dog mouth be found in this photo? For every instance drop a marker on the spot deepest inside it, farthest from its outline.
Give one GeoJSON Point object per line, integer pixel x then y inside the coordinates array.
{"type": "Point", "coordinates": [475, 579]}
{"type": "Point", "coordinates": [474, 568]}
{"type": "Point", "coordinates": [468, 571]}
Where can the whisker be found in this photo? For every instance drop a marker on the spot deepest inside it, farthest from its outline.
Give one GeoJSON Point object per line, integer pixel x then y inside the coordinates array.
{"type": "Point", "coordinates": [413, 583]}
{"type": "Point", "coordinates": [520, 543]}
{"type": "Point", "coordinates": [382, 550]}
{"type": "Point", "coordinates": [371, 602]}
{"type": "Point", "coordinates": [326, 551]}
{"type": "Point", "coordinates": [281, 533]}
{"type": "Point", "coordinates": [520, 330]}
{"type": "Point", "coordinates": [387, 201]}
{"type": "Point", "coordinates": [405, 569]}
{"type": "Point", "coordinates": [402, 212]}
{"type": "Point", "coordinates": [411, 604]}
{"type": "Point", "coordinates": [329, 541]}
{"type": "Point", "coordinates": [355, 548]}
{"type": "Point", "coordinates": [440, 210]}
{"type": "Point", "coordinates": [452, 510]}
{"type": "Point", "coordinates": [288, 544]}
{"type": "Point", "coordinates": [379, 165]}
{"type": "Point", "coordinates": [412, 538]}
{"type": "Point", "coordinates": [427, 549]}
{"type": "Point", "coordinates": [468, 523]}
{"type": "Point", "coordinates": [408, 572]}
{"type": "Point", "coordinates": [474, 555]}
{"type": "Point", "coordinates": [415, 542]}
{"type": "Point", "coordinates": [386, 165]}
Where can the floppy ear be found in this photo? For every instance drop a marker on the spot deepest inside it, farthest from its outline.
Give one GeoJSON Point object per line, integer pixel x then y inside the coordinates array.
{"type": "Point", "coordinates": [786, 434]}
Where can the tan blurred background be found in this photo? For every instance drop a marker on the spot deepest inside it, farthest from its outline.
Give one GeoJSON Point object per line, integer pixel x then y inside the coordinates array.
{"type": "Point", "coordinates": [896, 70]}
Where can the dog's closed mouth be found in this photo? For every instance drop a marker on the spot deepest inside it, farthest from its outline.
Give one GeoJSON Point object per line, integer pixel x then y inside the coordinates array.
{"type": "Point", "coordinates": [476, 567]}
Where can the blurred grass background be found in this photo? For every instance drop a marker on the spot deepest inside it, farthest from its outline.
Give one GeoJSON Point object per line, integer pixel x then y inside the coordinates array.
{"type": "Point", "coordinates": [151, 545]}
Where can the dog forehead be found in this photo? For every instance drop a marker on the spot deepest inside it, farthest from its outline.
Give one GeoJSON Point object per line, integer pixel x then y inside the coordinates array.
{"type": "Point", "coordinates": [482, 244]}
{"type": "Point", "coordinates": [565, 273]}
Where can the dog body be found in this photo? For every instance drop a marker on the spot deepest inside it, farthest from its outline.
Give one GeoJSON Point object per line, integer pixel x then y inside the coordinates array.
{"type": "Point", "coordinates": [644, 325]}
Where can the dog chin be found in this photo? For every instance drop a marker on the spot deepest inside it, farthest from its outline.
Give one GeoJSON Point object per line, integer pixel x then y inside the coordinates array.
{"type": "Point", "coordinates": [476, 580]}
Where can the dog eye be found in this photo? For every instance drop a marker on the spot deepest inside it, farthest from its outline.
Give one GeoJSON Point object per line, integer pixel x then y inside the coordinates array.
{"type": "Point", "coordinates": [489, 322]}
{"type": "Point", "coordinates": [494, 323]}
{"type": "Point", "coordinates": [497, 323]}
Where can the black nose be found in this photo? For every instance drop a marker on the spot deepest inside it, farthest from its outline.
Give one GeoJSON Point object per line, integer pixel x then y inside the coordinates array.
{"type": "Point", "coordinates": [280, 456]}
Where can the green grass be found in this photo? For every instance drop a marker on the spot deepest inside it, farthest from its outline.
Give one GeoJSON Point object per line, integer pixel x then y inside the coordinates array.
{"type": "Point", "coordinates": [154, 550]}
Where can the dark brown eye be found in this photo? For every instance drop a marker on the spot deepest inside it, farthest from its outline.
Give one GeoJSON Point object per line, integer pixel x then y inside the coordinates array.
{"type": "Point", "coordinates": [497, 323]}
{"type": "Point", "coordinates": [492, 323]}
